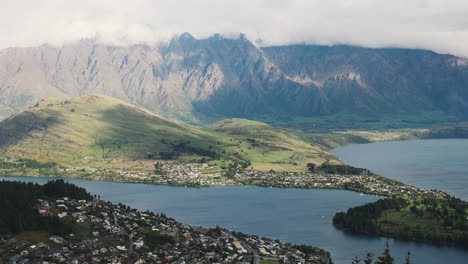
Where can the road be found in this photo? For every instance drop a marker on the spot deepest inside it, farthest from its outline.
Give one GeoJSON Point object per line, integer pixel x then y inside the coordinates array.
{"type": "Point", "coordinates": [130, 240]}
{"type": "Point", "coordinates": [256, 256]}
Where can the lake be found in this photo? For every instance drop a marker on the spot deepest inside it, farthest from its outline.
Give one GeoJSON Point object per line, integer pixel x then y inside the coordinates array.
{"type": "Point", "coordinates": [292, 215]}
{"type": "Point", "coordinates": [432, 164]}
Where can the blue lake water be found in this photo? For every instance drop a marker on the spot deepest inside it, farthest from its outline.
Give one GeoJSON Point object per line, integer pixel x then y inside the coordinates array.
{"type": "Point", "coordinates": [292, 215]}
{"type": "Point", "coordinates": [305, 216]}
{"type": "Point", "coordinates": [432, 164]}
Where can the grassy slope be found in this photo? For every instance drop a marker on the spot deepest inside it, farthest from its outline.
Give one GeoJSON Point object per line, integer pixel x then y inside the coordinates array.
{"type": "Point", "coordinates": [268, 147]}
{"type": "Point", "coordinates": [333, 139]}
{"type": "Point", "coordinates": [92, 129]}
{"type": "Point", "coordinates": [100, 131]}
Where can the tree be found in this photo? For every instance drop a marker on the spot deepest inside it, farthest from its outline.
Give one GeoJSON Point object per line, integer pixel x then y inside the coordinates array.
{"type": "Point", "coordinates": [386, 258]}
{"type": "Point", "coordinates": [356, 260]}
{"type": "Point", "coordinates": [158, 168]}
{"type": "Point", "coordinates": [408, 258]}
{"type": "Point", "coordinates": [311, 167]}
{"type": "Point", "coordinates": [369, 258]}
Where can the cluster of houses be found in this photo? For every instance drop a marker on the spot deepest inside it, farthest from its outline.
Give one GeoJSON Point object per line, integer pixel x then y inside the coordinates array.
{"type": "Point", "coordinates": [191, 174]}
{"type": "Point", "coordinates": [201, 174]}
{"type": "Point", "coordinates": [274, 250]}
{"type": "Point", "coordinates": [365, 183]}
{"type": "Point", "coordinates": [195, 174]}
{"type": "Point", "coordinates": [103, 232]}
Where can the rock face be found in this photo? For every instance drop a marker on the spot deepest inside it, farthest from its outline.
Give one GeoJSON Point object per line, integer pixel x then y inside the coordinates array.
{"type": "Point", "coordinates": [378, 80]}
{"type": "Point", "coordinates": [219, 77]}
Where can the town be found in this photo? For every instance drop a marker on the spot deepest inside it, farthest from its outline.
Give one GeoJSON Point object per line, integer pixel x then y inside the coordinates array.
{"type": "Point", "coordinates": [199, 175]}
{"type": "Point", "coordinates": [103, 232]}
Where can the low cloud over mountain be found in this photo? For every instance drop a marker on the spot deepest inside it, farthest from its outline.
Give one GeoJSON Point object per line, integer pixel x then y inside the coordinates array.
{"type": "Point", "coordinates": [428, 24]}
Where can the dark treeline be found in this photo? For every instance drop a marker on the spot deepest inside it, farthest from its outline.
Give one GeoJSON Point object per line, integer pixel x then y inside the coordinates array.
{"type": "Point", "coordinates": [337, 169]}
{"type": "Point", "coordinates": [385, 258]}
{"type": "Point", "coordinates": [360, 219]}
{"type": "Point", "coordinates": [19, 199]}
{"type": "Point", "coordinates": [186, 148]}
{"type": "Point", "coordinates": [26, 163]}
{"type": "Point", "coordinates": [447, 220]}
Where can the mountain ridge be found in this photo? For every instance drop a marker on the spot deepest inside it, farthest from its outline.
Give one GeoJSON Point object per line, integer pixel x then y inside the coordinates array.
{"type": "Point", "coordinates": [205, 80]}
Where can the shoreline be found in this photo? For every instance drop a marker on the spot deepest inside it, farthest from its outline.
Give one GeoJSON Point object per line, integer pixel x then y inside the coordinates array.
{"type": "Point", "coordinates": [371, 184]}
{"type": "Point", "coordinates": [278, 182]}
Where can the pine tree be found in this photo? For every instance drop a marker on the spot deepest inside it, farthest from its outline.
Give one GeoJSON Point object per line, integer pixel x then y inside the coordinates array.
{"type": "Point", "coordinates": [369, 258]}
{"type": "Point", "coordinates": [408, 258]}
{"type": "Point", "coordinates": [386, 258]}
{"type": "Point", "coordinates": [356, 260]}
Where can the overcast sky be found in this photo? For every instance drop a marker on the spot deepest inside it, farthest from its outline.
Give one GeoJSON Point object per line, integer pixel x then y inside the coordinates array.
{"type": "Point", "coordinates": [440, 25]}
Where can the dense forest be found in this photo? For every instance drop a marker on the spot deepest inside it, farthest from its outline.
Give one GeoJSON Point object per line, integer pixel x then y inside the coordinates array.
{"type": "Point", "coordinates": [19, 199]}
{"type": "Point", "coordinates": [337, 169]}
{"type": "Point", "coordinates": [437, 221]}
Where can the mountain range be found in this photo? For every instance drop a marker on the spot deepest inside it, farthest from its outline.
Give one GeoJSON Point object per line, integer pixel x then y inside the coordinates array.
{"type": "Point", "coordinates": [201, 80]}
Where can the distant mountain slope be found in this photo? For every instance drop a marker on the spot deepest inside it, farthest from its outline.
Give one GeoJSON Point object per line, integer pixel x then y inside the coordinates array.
{"type": "Point", "coordinates": [217, 77]}
{"type": "Point", "coordinates": [102, 132]}
{"type": "Point", "coordinates": [378, 80]}
{"type": "Point", "coordinates": [458, 130]}
{"type": "Point", "coordinates": [213, 77]}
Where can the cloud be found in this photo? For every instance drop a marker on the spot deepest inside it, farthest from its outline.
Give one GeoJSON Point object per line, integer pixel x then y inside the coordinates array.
{"type": "Point", "coordinates": [439, 25]}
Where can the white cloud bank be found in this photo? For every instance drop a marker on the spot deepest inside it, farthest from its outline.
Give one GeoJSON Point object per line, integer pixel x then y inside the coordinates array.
{"type": "Point", "coordinates": [440, 25]}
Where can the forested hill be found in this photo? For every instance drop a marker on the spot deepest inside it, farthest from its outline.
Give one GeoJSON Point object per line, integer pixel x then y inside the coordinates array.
{"type": "Point", "coordinates": [18, 201]}
{"type": "Point", "coordinates": [438, 221]}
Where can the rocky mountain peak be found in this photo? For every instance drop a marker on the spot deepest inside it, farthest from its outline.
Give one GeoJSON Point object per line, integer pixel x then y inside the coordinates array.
{"type": "Point", "coordinates": [219, 76]}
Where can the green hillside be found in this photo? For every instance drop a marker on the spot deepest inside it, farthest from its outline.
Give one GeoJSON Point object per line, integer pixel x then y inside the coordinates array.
{"type": "Point", "coordinates": [102, 132]}
{"type": "Point", "coordinates": [269, 147]}
{"type": "Point", "coordinates": [97, 129]}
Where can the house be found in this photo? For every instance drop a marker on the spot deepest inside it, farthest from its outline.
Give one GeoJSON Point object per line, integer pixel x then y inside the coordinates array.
{"type": "Point", "coordinates": [56, 239]}
{"type": "Point", "coordinates": [122, 248]}
{"type": "Point", "coordinates": [237, 245]}
{"type": "Point", "coordinates": [62, 215]}
{"type": "Point", "coordinates": [138, 244]}
{"type": "Point", "coordinates": [263, 251]}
